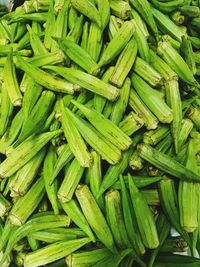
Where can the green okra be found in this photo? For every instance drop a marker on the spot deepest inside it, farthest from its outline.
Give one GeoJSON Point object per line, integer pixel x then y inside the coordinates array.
{"type": "Point", "coordinates": [82, 98]}
{"type": "Point", "coordinates": [75, 32]}
{"type": "Point", "coordinates": [5, 206]}
{"type": "Point", "coordinates": [37, 117]}
{"type": "Point", "coordinates": [12, 132]}
{"type": "Point", "coordinates": [37, 28]}
{"type": "Point", "coordinates": [34, 244]}
{"type": "Point", "coordinates": [136, 163]}
{"type": "Point", "coordinates": [58, 4]}
{"type": "Point", "coordinates": [174, 244]}
{"type": "Point", "coordinates": [64, 157]}
{"type": "Point", "coordinates": [141, 40]}
{"type": "Point", "coordinates": [79, 56]}
{"type": "Point", "coordinates": [47, 59]}
{"type": "Point", "coordinates": [26, 82]}
{"type": "Point", "coordinates": [6, 110]}
{"type": "Point", "coordinates": [124, 64]}
{"type": "Point", "coordinates": [195, 23]}
{"type": "Point", "coordinates": [174, 101]}
{"type": "Point", "coordinates": [188, 190]}
{"type": "Point", "coordinates": [94, 216]}
{"type": "Point", "coordinates": [166, 163]}
{"type": "Point", "coordinates": [71, 180]}
{"type": "Point", "coordinates": [53, 252]}
{"type": "Point", "coordinates": [73, 136]}
{"type": "Point", "coordinates": [193, 115]}
{"type": "Point", "coordinates": [88, 9]}
{"type": "Point", "coordinates": [85, 34]}
{"type": "Point", "coordinates": [167, 25]}
{"type": "Point", "coordinates": [113, 27]}
{"type": "Point", "coordinates": [94, 176]}
{"type": "Point", "coordinates": [25, 152]}
{"type": "Point", "coordinates": [100, 101]}
{"type": "Point", "coordinates": [120, 9]}
{"type": "Point", "coordinates": [36, 44]}
{"type": "Point", "coordinates": [131, 123]}
{"type": "Point", "coordinates": [177, 17]}
{"type": "Point", "coordinates": [107, 150]}
{"type": "Point", "coordinates": [146, 226]}
{"type": "Point", "coordinates": [149, 74]}
{"type": "Point", "coordinates": [143, 7]}
{"type": "Point", "coordinates": [121, 104]}
{"type": "Point", "coordinates": [94, 42]}
{"type": "Point", "coordinates": [186, 128]}
{"type": "Point", "coordinates": [190, 11]}
{"type": "Point", "coordinates": [87, 81]}
{"type": "Point", "coordinates": [142, 110]}
{"type": "Point", "coordinates": [163, 228]}
{"type": "Point", "coordinates": [72, 17]}
{"type": "Point", "coordinates": [114, 172]}
{"type": "Point", "coordinates": [39, 16]}
{"type": "Point", "coordinates": [140, 181]}
{"type": "Point", "coordinates": [49, 28]}
{"type": "Point", "coordinates": [46, 79]}
{"type": "Point", "coordinates": [176, 44]}
{"type": "Point", "coordinates": [169, 204]}
{"type": "Point", "coordinates": [130, 220]}
{"type": "Point", "coordinates": [152, 99]}
{"type": "Point", "coordinates": [151, 196]}
{"type": "Point", "coordinates": [10, 82]}
{"type": "Point", "coordinates": [48, 169]}
{"type": "Point", "coordinates": [140, 23]}
{"type": "Point", "coordinates": [188, 54]}
{"type": "Point", "coordinates": [60, 26]}
{"type": "Point", "coordinates": [176, 62]}
{"type": "Point", "coordinates": [23, 43]}
{"type": "Point", "coordinates": [74, 212]}
{"type": "Point", "coordinates": [115, 218]}
{"type": "Point", "coordinates": [108, 129]}
{"type": "Point", "coordinates": [87, 258]}
{"type": "Point", "coordinates": [104, 10]}
{"type": "Point", "coordinates": [168, 6]}
{"type": "Point", "coordinates": [161, 66]}
{"type": "Point", "coordinates": [117, 44]}
{"type": "Point", "coordinates": [25, 175]}
{"type": "Point", "coordinates": [25, 205]}
{"type": "Point", "coordinates": [57, 234]}
{"type": "Point", "coordinates": [155, 136]}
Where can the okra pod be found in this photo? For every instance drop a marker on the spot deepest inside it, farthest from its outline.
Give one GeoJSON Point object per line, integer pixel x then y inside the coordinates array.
{"type": "Point", "coordinates": [46, 79]}
{"type": "Point", "coordinates": [166, 163]}
{"type": "Point", "coordinates": [73, 136]}
{"type": "Point", "coordinates": [188, 54]}
{"type": "Point", "coordinates": [142, 110]}
{"type": "Point", "coordinates": [131, 123]}
{"type": "Point", "coordinates": [94, 42]}
{"type": "Point", "coordinates": [87, 81]}
{"type": "Point", "coordinates": [186, 128]}
{"type": "Point", "coordinates": [155, 136]}
{"type": "Point", "coordinates": [25, 152]}
{"type": "Point", "coordinates": [120, 9]}
{"type": "Point", "coordinates": [70, 182]}
{"type": "Point", "coordinates": [146, 226]}
{"type": "Point", "coordinates": [88, 9]}
{"type": "Point", "coordinates": [118, 42]}
{"type": "Point", "coordinates": [193, 115]}
{"type": "Point", "coordinates": [104, 10]}
{"type": "Point", "coordinates": [94, 216]}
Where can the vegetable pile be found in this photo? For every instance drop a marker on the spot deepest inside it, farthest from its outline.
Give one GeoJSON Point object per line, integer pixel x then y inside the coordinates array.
{"type": "Point", "coordinates": [99, 133]}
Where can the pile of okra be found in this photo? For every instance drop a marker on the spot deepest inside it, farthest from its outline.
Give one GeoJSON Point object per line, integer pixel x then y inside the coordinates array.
{"type": "Point", "coordinates": [100, 133]}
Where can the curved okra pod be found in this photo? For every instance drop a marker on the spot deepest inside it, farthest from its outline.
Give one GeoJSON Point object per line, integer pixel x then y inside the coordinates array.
{"type": "Point", "coordinates": [166, 163]}
{"type": "Point", "coordinates": [94, 216]}
{"type": "Point", "coordinates": [118, 42]}
{"type": "Point", "coordinates": [88, 9]}
{"type": "Point", "coordinates": [124, 64]}
{"type": "Point", "coordinates": [87, 81]}
{"type": "Point", "coordinates": [104, 10]}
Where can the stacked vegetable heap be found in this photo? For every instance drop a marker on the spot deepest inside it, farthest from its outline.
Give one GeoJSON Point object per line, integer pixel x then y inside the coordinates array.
{"type": "Point", "coordinates": [99, 127]}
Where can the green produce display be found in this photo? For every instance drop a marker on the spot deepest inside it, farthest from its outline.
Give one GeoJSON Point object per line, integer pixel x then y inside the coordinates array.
{"type": "Point", "coordinates": [100, 133]}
